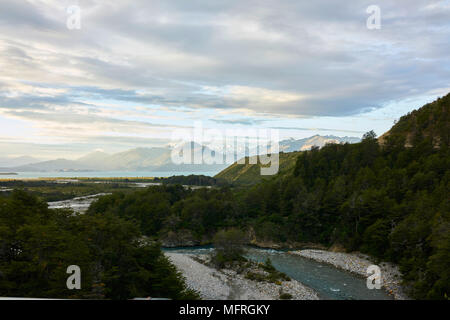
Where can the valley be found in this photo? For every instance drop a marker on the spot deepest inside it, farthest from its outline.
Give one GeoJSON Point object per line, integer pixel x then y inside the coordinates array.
{"type": "Point", "coordinates": [382, 201]}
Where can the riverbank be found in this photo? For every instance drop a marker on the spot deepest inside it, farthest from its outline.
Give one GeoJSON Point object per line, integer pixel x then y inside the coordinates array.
{"type": "Point", "coordinates": [225, 284]}
{"type": "Point", "coordinates": [185, 238]}
{"type": "Point", "coordinates": [78, 204]}
{"type": "Point", "coordinates": [357, 263]}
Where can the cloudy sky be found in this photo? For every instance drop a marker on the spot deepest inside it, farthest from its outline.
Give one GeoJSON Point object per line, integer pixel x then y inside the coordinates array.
{"type": "Point", "coordinates": [136, 71]}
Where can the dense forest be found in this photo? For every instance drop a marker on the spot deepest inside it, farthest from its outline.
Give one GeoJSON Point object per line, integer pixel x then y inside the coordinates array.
{"type": "Point", "coordinates": [192, 180]}
{"type": "Point", "coordinates": [38, 244]}
{"type": "Point", "coordinates": [387, 198]}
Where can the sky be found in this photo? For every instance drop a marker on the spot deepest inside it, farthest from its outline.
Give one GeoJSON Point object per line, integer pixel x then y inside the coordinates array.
{"type": "Point", "coordinates": [136, 71]}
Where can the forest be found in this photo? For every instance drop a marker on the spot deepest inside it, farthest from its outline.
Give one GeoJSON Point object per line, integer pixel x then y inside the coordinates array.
{"type": "Point", "coordinates": [37, 245]}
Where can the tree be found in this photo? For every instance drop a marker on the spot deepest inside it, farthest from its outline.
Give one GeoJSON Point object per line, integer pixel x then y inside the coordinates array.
{"type": "Point", "coordinates": [229, 246]}
{"type": "Point", "coordinates": [370, 135]}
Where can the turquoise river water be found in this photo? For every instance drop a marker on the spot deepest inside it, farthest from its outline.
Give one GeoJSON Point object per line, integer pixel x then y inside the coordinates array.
{"type": "Point", "coordinates": [330, 283]}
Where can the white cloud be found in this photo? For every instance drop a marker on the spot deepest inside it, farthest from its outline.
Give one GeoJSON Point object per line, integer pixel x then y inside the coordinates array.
{"type": "Point", "coordinates": [135, 64]}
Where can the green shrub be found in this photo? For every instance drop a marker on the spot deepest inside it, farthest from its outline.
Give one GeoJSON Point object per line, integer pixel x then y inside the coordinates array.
{"type": "Point", "coordinates": [285, 296]}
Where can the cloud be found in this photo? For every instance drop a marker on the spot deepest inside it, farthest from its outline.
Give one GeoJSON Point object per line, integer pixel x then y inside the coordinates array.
{"type": "Point", "coordinates": [281, 57]}
{"type": "Point", "coordinates": [253, 58]}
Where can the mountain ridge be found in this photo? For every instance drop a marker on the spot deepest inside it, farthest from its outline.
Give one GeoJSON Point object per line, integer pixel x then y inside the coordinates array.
{"type": "Point", "coordinates": [154, 158]}
{"type": "Point", "coordinates": [430, 122]}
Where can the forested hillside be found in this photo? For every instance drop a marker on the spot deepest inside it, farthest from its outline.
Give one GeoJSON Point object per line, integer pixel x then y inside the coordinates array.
{"type": "Point", "coordinates": [430, 122]}
{"type": "Point", "coordinates": [248, 174]}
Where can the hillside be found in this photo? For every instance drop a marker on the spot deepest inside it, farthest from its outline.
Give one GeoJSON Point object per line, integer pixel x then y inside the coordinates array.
{"type": "Point", "coordinates": [250, 173]}
{"type": "Point", "coordinates": [431, 122]}
{"type": "Point", "coordinates": [387, 199]}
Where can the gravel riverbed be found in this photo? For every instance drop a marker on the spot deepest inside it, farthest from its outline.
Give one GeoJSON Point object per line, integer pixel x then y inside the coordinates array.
{"type": "Point", "coordinates": [358, 263]}
{"type": "Point", "coordinates": [78, 204]}
{"type": "Point", "coordinates": [213, 284]}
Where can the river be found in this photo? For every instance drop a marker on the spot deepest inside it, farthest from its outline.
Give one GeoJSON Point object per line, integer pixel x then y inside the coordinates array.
{"type": "Point", "coordinates": [330, 283]}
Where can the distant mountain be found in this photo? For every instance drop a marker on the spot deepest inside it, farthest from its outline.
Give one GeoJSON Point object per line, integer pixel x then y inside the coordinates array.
{"type": "Point", "coordinates": [291, 145]}
{"type": "Point", "coordinates": [138, 159]}
{"type": "Point", "coordinates": [54, 165]}
{"type": "Point", "coordinates": [17, 161]}
{"type": "Point", "coordinates": [135, 159]}
{"type": "Point", "coordinates": [158, 158]}
{"type": "Point", "coordinates": [196, 149]}
{"type": "Point", "coordinates": [96, 158]}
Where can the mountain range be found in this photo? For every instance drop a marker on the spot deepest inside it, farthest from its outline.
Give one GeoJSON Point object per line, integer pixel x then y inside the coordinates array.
{"type": "Point", "coordinates": [292, 144]}
{"type": "Point", "coordinates": [17, 161]}
{"type": "Point", "coordinates": [152, 159]}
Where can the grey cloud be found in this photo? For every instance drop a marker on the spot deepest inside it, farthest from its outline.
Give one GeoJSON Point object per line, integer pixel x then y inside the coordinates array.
{"type": "Point", "coordinates": [68, 118]}
{"type": "Point", "coordinates": [24, 14]}
{"type": "Point", "coordinates": [74, 150]}
{"type": "Point", "coordinates": [319, 49]}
